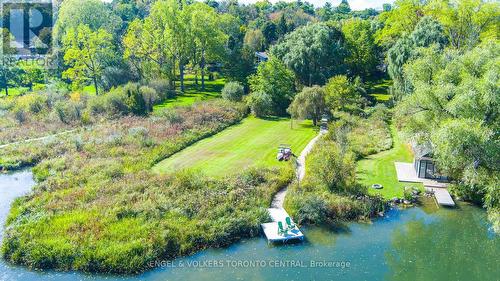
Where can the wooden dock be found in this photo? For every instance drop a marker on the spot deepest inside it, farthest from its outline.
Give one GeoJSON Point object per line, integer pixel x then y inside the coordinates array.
{"type": "Point", "coordinates": [271, 228]}
{"type": "Point", "coordinates": [406, 173]}
{"type": "Point", "coordinates": [442, 196]}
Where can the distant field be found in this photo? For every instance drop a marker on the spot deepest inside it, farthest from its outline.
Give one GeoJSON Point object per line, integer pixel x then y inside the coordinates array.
{"type": "Point", "coordinates": [379, 168]}
{"type": "Point", "coordinates": [379, 89]}
{"type": "Point", "coordinates": [254, 142]}
{"type": "Point", "coordinates": [194, 93]}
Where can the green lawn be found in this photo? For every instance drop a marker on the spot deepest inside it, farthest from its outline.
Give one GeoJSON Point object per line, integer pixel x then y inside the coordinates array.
{"type": "Point", "coordinates": [379, 89]}
{"type": "Point", "coordinates": [90, 89]}
{"type": "Point", "coordinates": [253, 142]}
{"type": "Point", "coordinates": [379, 168]}
{"type": "Point", "coordinates": [14, 91]}
{"type": "Point", "coordinates": [193, 92]}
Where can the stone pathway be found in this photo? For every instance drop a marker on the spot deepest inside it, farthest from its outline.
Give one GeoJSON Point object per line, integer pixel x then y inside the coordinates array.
{"type": "Point", "coordinates": [279, 198]}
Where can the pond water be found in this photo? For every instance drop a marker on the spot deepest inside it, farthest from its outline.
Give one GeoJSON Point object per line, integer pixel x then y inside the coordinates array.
{"type": "Point", "coordinates": [425, 243]}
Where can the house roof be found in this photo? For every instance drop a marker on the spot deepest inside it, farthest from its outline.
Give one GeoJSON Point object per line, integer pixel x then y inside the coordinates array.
{"type": "Point", "coordinates": [262, 55]}
{"type": "Point", "coordinates": [422, 149]}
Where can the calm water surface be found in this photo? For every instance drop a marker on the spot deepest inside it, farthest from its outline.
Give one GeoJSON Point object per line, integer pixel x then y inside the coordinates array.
{"type": "Point", "coordinates": [426, 243]}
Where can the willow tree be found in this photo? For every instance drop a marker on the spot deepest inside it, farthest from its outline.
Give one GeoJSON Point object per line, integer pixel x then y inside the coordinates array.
{"type": "Point", "coordinates": [455, 105]}
{"type": "Point", "coordinates": [314, 52]}
{"type": "Point", "coordinates": [309, 104]}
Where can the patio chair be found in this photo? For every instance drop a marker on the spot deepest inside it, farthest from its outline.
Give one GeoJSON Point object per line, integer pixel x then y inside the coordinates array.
{"type": "Point", "coordinates": [281, 229]}
{"type": "Point", "coordinates": [289, 223]}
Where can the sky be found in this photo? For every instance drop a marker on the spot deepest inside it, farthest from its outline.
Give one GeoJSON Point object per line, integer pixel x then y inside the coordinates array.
{"type": "Point", "coordinates": [355, 4]}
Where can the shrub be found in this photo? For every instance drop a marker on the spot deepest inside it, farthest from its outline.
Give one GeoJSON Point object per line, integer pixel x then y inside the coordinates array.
{"type": "Point", "coordinates": [103, 210]}
{"type": "Point", "coordinates": [20, 115]}
{"type": "Point", "coordinates": [333, 167]}
{"type": "Point", "coordinates": [114, 103]}
{"type": "Point", "coordinates": [172, 116]}
{"type": "Point", "coordinates": [68, 111]}
{"type": "Point", "coordinates": [33, 103]}
{"type": "Point", "coordinates": [260, 103]}
{"type": "Point", "coordinates": [122, 101]}
{"type": "Point", "coordinates": [364, 136]}
{"type": "Point", "coordinates": [312, 210]}
{"type": "Point", "coordinates": [97, 105]}
{"type": "Point", "coordinates": [162, 87]}
{"type": "Point", "coordinates": [233, 91]}
{"type": "Point", "coordinates": [150, 97]}
{"type": "Point", "coordinates": [134, 99]}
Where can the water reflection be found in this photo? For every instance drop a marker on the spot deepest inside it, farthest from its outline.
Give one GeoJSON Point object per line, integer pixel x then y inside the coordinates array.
{"type": "Point", "coordinates": [426, 243]}
{"type": "Point", "coordinates": [457, 246]}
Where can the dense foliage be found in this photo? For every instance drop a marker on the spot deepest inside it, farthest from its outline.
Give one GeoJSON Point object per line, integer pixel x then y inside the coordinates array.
{"type": "Point", "coordinates": [80, 215]}
{"type": "Point", "coordinates": [329, 192]}
{"type": "Point", "coordinates": [314, 52]}
{"type": "Point", "coordinates": [91, 228]}
{"type": "Point", "coordinates": [233, 91]}
{"type": "Point", "coordinates": [273, 88]}
{"type": "Point", "coordinates": [97, 205]}
{"type": "Point", "coordinates": [309, 104]}
{"type": "Point", "coordinates": [455, 106]}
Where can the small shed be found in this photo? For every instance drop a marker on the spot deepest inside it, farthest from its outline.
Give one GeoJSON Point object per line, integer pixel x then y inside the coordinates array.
{"type": "Point", "coordinates": [261, 57]}
{"type": "Point", "coordinates": [423, 162]}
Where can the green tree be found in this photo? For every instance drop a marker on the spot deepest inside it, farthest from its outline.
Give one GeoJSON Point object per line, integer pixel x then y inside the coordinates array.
{"type": "Point", "coordinates": [399, 20]}
{"type": "Point", "coordinates": [269, 32]}
{"type": "Point", "coordinates": [454, 104]}
{"type": "Point", "coordinates": [208, 36]}
{"type": "Point", "coordinates": [343, 7]}
{"type": "Point", "coordinates": [363, 53]}
{"type": "Point", "coordinates": [325, 12]}
{"type": "Point", "coordinates": [342, 95]}
{"type": "Point", "coordinates": [31, 73]}
{"type": "Point", "coordinates": [466, 22]}
{"type": "Point", "coordinates": [7, 69]}
{"type": "Point", "coordinates": [147, 45]}
{"type": "Point", "coordinates": [179, 32]}
{"type": "Point", "coordinates": [282, 26]}
{"type": "Point", "coordinates": [397, 56]}
{"type": "Point", "coordinates": [95, 14]}
{"type": "Point", "coordinates": [86, 52]}
{"type": "Point", "coordinates": [7, 75]}
{"type": "Point", "coordinates": [274, 82]}
{"type": "Point", "coordinates": [314, 52]}
{"type": "Point", "coordinates": [427, 32]}
{"type": "Point", "coordinates": [309, 104]}
{"type": "Point", "coordinates": [255, 40]}
{"type": "Point", "coordinates": [239, 61]}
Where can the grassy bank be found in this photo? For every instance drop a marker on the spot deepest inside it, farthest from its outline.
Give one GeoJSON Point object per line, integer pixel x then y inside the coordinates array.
{"type": "Point", "coordinates": [379, 168]}
{"type": "Point", "coordinates": [97, 206]}
{"type": "Point", "coordinates": [254, 142]}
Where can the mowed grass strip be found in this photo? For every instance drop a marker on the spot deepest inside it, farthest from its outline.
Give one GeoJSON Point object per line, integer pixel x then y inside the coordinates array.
{"type": "Point", "coordinates": [194, 93]}
{"type": "Point", "coordinates": [253, 142]}
{"type": "Point", "coordinates": [379, 168]}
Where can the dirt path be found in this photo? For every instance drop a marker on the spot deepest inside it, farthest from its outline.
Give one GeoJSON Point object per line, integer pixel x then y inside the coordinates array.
{"type": "Point", "coordinates": [38, 139]}
{"type": "Point", "coordinates": [279, 198]}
